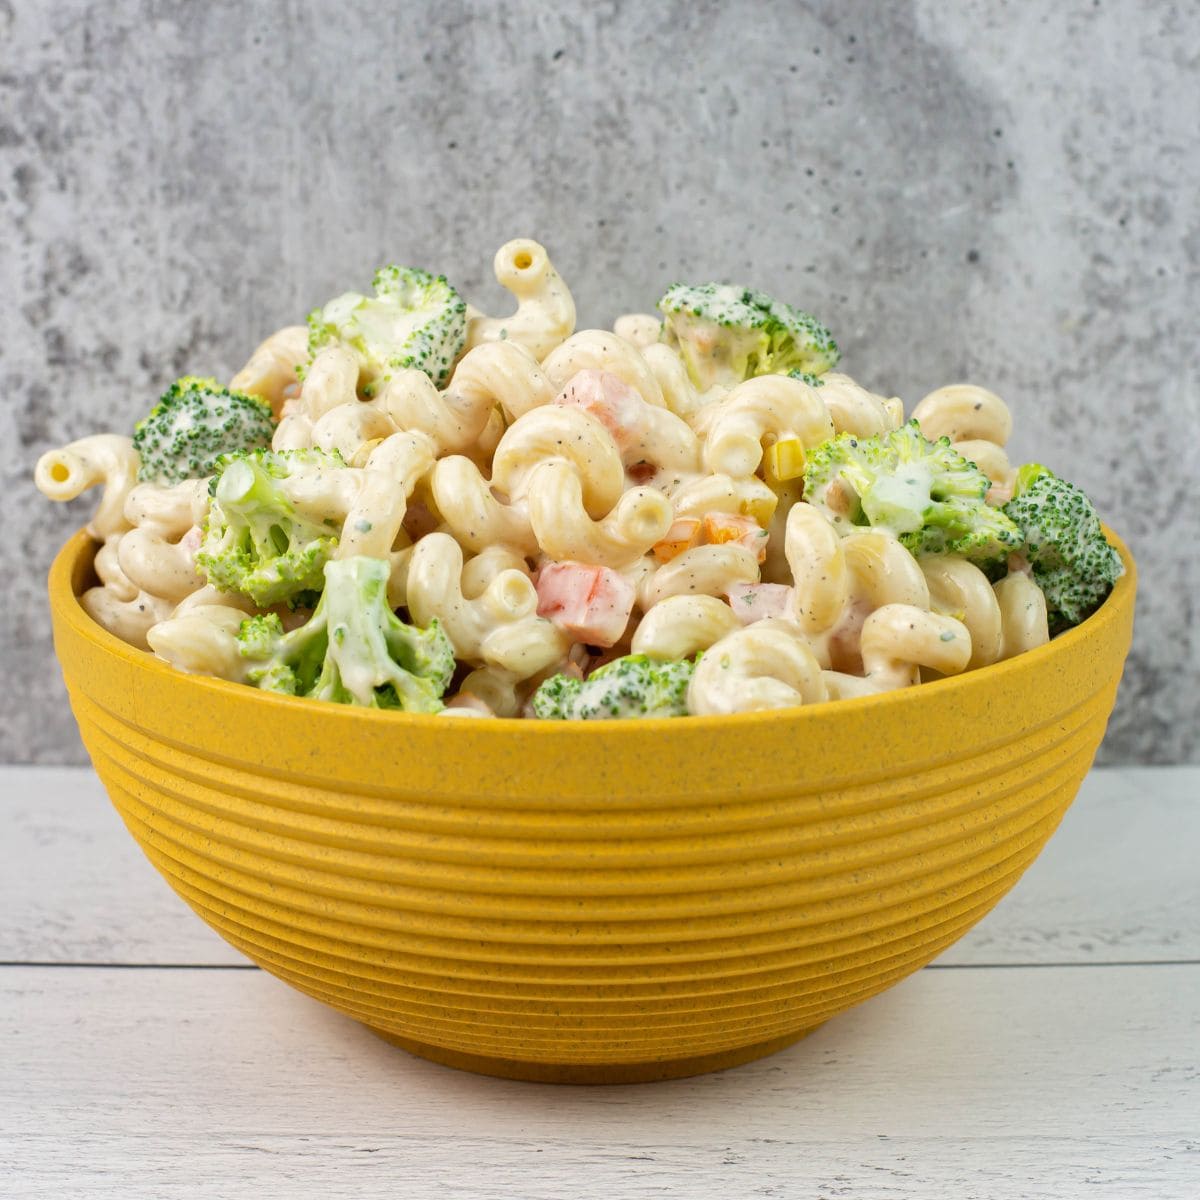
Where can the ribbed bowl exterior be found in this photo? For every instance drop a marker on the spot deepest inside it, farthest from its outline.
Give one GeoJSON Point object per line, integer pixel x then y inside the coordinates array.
{"type": "Point", "coordinates": [591, 901]}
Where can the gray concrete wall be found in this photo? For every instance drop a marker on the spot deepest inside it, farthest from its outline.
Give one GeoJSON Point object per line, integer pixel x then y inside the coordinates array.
{"type": "Point", "coordinates": [999, 192]}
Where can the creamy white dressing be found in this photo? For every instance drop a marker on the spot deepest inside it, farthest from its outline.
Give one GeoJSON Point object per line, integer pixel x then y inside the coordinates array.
{"type": "Point", "coordinates": [899, 501]}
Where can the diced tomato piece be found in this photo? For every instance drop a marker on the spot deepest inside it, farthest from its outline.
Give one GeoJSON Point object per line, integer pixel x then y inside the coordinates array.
{"type": "Point", "coordinates": [590, 604]}
{"type": "Point", "coordinates": [753, 601]}
{"type": "Point", "coordinates": [725, 527]}
{"type": "Point", "coordinates": [683, 535]}
{"type": "Point", "coordinates": [609, 399]}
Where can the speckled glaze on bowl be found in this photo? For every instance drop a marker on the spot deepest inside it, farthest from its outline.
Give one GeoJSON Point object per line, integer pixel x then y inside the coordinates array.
{"type": "Point", "coordinates": [591, 902]}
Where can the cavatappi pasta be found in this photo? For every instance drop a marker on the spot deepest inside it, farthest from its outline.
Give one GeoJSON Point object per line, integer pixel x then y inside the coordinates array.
{"type": "Point", "coordinates": [569, 498]}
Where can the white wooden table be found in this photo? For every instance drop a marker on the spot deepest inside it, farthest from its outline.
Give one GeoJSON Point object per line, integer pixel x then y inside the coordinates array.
{"type": "Point", "coordinates": [1054, 1052]}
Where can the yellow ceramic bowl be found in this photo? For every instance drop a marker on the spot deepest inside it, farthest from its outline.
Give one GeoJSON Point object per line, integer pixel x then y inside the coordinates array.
{"type": "Point", "coordinates": [586, 901]}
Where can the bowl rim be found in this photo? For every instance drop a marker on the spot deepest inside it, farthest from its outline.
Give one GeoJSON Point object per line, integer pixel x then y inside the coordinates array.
{"type": "Point", "coordinates": [66, 606]}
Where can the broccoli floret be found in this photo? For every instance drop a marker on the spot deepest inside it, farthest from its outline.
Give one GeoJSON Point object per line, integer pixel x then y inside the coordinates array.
{"type": "Point", "coordinates": [255, 542]}
{"type": "Point", "coordinates": [353, 649]}
{"type": "Point", "coordinates": [258, 636]}
{"type": "Point", "coordinates": [1072, 562]}
{"type": "Point", "coordinates": [194, 423]}
{"type": "Point", "coordinates": [807, 377]}
{"type": "Point", "coordinates": [414, 320]}
{"type": "Point", "coordinates": [633, 686]}
{"type": "Point", "coordinates": [924, 492]}
{"type": "Point", "coordinates": [726, 334]}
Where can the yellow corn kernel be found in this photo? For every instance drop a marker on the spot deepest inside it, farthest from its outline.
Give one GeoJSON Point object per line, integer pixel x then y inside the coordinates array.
{"type": "Point", "coordinates": [760, 509]}
{"type": "Point", "coordinates": [784, 460]}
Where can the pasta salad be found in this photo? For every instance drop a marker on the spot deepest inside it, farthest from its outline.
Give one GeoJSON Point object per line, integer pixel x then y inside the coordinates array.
{"type": "Point", "coordinates": [408, 504]}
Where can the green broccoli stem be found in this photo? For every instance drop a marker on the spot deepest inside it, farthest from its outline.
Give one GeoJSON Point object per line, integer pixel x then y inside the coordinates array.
{"type": "Point", "coordinates": [247, 487]}
{"type": "Point", "coordinates": [237, 482]}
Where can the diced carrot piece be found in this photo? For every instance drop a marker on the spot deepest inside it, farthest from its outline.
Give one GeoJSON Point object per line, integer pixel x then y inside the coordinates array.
{"type": "Point", "coordinates": [590, 604]}
{"type": "Point", "coordinates": [683, 535]}
{"type": "Point", "coordinates": [725, 527]}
